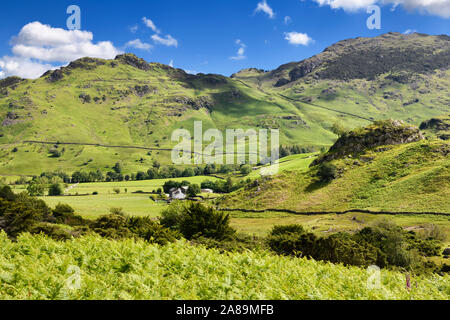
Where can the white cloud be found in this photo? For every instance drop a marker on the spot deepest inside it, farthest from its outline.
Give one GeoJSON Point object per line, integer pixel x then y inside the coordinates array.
{"type": "Point", "coordinates": [409, 31]}
{"type": "Point", "coordinates": [348, 5]}
{"type": "Point", "coordinates": [297, 38]}
{"type": "Point", "coordinates": [133, 29]}
{"type": "Point", "coordinates": [287, 20]}
{"type": "Point", "coordinates": [264, 7]}
{"type": "Point", "coordinates": [241, 51]}
{"type": "Point", "coordinates": [37, 46]}
{"type": "Point", "coordinates": [168, 41]}
{"type": "Point", "coordinates": [149, 23]}
{"type": "Point", "coordinates": [434, 7]}
{"type": "Point", "coordinates": [138, 44]}
{"type": "Point", "coordinates": [22, 67]}
{"type": "Point", "coordinates": [171, 63]}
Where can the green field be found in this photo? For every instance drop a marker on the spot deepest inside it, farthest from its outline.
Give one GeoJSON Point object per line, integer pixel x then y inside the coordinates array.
{"type": "Point", "coordinates": [93, 206]}
{"type": "Point", "coordinates": [35, 267]}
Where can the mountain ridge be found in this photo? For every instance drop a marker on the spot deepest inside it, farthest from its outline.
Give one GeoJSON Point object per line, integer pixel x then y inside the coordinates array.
{"type": "Point", "coordinates": [128, 101]}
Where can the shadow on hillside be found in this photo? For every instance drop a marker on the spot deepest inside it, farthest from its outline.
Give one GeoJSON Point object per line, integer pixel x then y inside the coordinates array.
{"type": "Point", "coordinates": [316, 185]}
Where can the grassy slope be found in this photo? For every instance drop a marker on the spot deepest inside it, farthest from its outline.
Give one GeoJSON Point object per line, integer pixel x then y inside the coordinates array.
{"type": "Point", "coordinates": [36, 268]}
{"type": "Point", "coordinates": [410, 177]}
{"type": "Point", "coordinates": [54, 111]}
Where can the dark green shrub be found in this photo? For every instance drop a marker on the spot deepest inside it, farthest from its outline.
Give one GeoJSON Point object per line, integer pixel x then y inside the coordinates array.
{"type": "Point", "coordinates": [64, 214]}
{"type": "Point", "coordinates": [236, 243]}
{"type": "Point", "coordinates": [194, 190]}
{"type": "Point", "coordinates": [7, 193]}
{"type": "Point", "coordinates": [151, 231]}
{"type": "Point", "coordinates": [195, 220]}
{"type": "Point", "coordinates": [293, 228]}
{"type": "Point", "coordinates": [292, 241]}
{"type": "Point", "coordinates": [53, 231]}
{"type": "Point", "coordinates": [327, 172]}
{"type": "Point", "coordinates": [19, 218]}
{"type": "Point", "coordinates": [342, 248]}
{"type": "Point", "coordinates": [172, 216]}
{"type": "Point", "coordinates": [112, 226]}
{"type": "Point", "coordinates": [246, 169]}
{"type": "Point", "coordinates": [55, 190]}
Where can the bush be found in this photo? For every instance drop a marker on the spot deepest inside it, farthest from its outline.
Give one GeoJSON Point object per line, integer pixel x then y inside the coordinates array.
{"type": "Point", "coordinates": [112, 226]}
{"type": "Point", "coordinates": [291, 240]}
{"type": "Point", "coordinates": [53, 231]}
{"type": "Point", "coordinates": [7, 193]}
{"type": "Point", "coordinates": [151, 231]}
{"type": "Point", "coordinates": [343, 248]}
{"type": "Point", "coordinates": [117, 211]}
{"type": "Point", "coordinates": [36, 189]}
{"type": "Point", "coordinates": [339, 248]}
{"type": "Point", "coordinates": [55, 190]}
{"type": "Point", "coordinates": [194, 190]}
{"type": "Point", "coordinates": [390, 239]}
{"type": "Point", "coordinates": [327, 172]}
{"type": "Point", "coordinates": [172, 216]}
{"type": "Point", "coordinates": [246, 169]}
{"type": "Point", "coordinates": [236, 243]}
{"type": "Point", "coordinates": [116, 190]}
{"type": "Point", "coordinates": [65, 214]}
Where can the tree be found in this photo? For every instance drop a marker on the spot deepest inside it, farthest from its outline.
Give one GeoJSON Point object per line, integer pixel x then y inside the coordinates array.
{"type": "Point", "coordinates": [196, 220]}
{"type": "Point", "coordinates": [152, 173]}
{"type": "Point", "coordinates": [228, 187]}
{"type": "Point", "coordinates": [338, 129]}
{"type": "Point", "coordinates": [246, 169]}
{"type": "Point", "coordinates": [118, 168]}
{"type": "Point", "coordinates": [141, 176]}
{"type": "Point", "coordinates": [188, 172]}
{"type": "Point", "coordinates": [35, 188]}
{"type": "Point", "coordinates": [194, 190]}
{"type": "Point", "coordinates": [156, 164]}
{"type": "Point", "coordinates": [327, 172]}
{"type": "Point", "coordinates": [55, 190]}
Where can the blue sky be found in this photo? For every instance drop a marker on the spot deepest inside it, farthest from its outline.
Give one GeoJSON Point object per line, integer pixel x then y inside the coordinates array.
{"type": "Point", "coordinates": [200, 36]}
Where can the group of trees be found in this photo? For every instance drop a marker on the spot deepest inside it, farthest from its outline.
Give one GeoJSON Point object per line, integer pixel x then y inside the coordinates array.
{"type": "Point", "coordinates": [53, 184]}
{"type": "Point", "coordinates": [295, 149]}
{"type": "Point", "coordinates": [155, 172]}
{"type": "Point", "coordinates": [219, 186]}
{"type": "Point", "coordinates": [383, 244]}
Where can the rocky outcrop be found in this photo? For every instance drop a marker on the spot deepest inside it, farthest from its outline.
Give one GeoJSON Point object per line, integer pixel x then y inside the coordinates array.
{"type": "Point", "coordinates": [11, 119]}
{"type": "Point", "coordinates": [381, 133]}
{"type": "Point", "coordinates": [10, 82]}
{"type": "Point", "coordinates": [134, 61]}
{"type": "Point", "coordinates": [438, 126]}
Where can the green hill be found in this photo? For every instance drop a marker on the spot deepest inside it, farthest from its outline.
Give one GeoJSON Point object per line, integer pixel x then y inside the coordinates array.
{"type": "Point", "coordinates": [101, 106]}
{"type": "Point", "coordinates": [407, 174]}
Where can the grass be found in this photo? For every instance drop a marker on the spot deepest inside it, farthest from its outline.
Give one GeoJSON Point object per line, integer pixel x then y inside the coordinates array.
{"type": "Point", "coordinates": [35, 267]}
{"type": "Point", "coordinates": [260, 224]}
{"type": "Point", "coordinates": [412, 177]}
{"type": "Point", "coordinates": [92, 206]}
{"type": "Point", "coordinates": [55, 112]}
{"type": "Point", "coordinates": [297, 162]}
